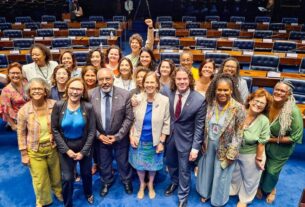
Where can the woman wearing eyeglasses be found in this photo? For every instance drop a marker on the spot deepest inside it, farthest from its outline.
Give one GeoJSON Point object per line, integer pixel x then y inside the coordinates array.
{"type": "Point", "coordinates": [73, 127]}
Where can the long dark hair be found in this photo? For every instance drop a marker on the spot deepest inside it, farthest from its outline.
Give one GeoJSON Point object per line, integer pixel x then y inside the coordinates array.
{"type": "Point", "coordinates": [152, 66]}
{"type": "Point", "coordinates": [211, 92]}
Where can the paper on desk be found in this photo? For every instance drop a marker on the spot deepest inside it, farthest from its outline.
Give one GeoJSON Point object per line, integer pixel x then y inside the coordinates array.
{"type": "Point", "coordinates": [272, 74]}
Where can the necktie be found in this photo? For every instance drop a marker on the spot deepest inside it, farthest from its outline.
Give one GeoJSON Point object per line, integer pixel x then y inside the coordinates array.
{"type": "Point", "coordinates": [107, 113]}
{"type": "Point", "coordinates": [178, 107]}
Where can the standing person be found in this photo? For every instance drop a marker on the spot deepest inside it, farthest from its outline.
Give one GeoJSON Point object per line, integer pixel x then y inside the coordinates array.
{"type": "Point", "coordinates": [286, 126]}
{"type": "Point", "coordinates": [187, 60]}
{"type": "Point", "coordinates": [60, 77]}
{"type": "Point", "coordinates": [165, 70]}
{"type": "Point", "coordinates": [113, 57]}
{"type": "Point", "coordinates": [12, 95]}
{"type": "Point", "coordinates": [148, 133]}
{"type": "Point", "coordinates": [89, 76]}
{"type": "Point", "coordinates": [187, 111]}
{"type": "Point", "coordinates": [42, 65]}
{"type": "Point", "coordinates": [251, 160]}
{"type": "Point", "coordinates": [206, 73]}
{"type": "Point", "coordinates": [73, 127]}
{"type": "Point", "coordinates": [147, 59]}
{"type": "Point", "coordinates": [136, 43]}
{"type": "Point", "coordinates": [76, 11]}
{"type": "Point", "coordinates": [68, 59]}
{"type": "Point", "coordinates": [223, 136]}
{"type": "Point", "coordinates": [36, 143]}
{"type": "Point", "coordinates": [138, 77]}
{"type": "Point", "coordinates": [231, 66]}
{"type": "Point", "coordinates": [114, 119]}
{"type": "Point", "coordinates": [124, 79]}
{"type": "Point", "coordinates": [96, 58]}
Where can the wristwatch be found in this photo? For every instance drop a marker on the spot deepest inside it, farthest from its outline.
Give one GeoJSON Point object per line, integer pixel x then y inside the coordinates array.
{"type": "Point", "coordinates": [162, 142]}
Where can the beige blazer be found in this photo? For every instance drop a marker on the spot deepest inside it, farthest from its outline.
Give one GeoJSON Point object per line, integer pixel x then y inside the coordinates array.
{"type": "Point", "coordinates": [160, 117]}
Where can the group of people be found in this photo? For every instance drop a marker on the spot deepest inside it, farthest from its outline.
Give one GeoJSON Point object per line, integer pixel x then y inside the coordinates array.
{"type": "Point", "coordinates": [147, 117]}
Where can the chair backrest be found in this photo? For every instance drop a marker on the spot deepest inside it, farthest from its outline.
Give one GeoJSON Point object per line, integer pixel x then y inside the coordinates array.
{"type": "Point", "coordinates": [164, 18]}
{"type": "Point", "coordinates": [174, 56]}
{"type": "Point", "coordinates": [276, 26]}
{"type": "Point", "coordinates": [218, 25]}
{"type": "Point", "coordinates": [206, 43]}
{"type": "Point", "coordinates": [12, 33]}
{"type": "Point", "coordinates": [237, 19]}
{"type": "Point", "coordinates": [97, 41]}
{"type": "Point", "coordinates": [5, 25]}
{"type": "Point", "coordinates": [61, 42]}
{"type": "Point", "coordinates": [119, 18]}
{"type": "Point", "coordinates": [243, 44]}
{"type": "Point", "coordinates": [217, 57]}
{"type": "Point", "coordinates": [48, 18]}
{"type": "Point", "coordinates": [249, 82]}
{"type": "Point", "coordinates": [114, 24]}
{"type": "Point", "coordinates": [60, 25]}
{"type": "Point", "coordinates": [299, 85]}
{"type": "Point", "coordinates": [32, 25]}
{"type": "Point", "coordinates": [289, 20]}
{"type": "Point", "coordinates": [296, 35]}
{"type": "Point", "coordinates": [3, 61]}
{"type": "Point", "coordinates": [284, 46]}
{"type": "Point", "coordinates": [81, 57]}
{"type": "Point", "coordinates": [44, 32]}
{"type": "Point", "coordinates": [23, 19]}
{"type": "Point", "coordinates": [2, 19]}
{"type": "Point", "coordinates": [77, 32]}
{"type": "Point", "coordinates": [23, 43]}
{"type": "Point", "coordinates": [169, 43]}
{"type": "Point", "coordinates": [167, 32]}
{"type": "Point", "coordinates": [96, 18]}
{"type": "Point", "coordinates": [189, 19]}
{"type": "Point", "coordinates": [198, 32]}
{"type": "Point", "coordinates": [302, 66]}
{"type": "Point", "coordinates": [88, 24]}
{"type": "Point", "coordinates": [260, 19]}
{"type": "Point", "coordinates": [211, 18]}
{"type": "Point", "coordinates": [248, 25]}
{"type": "Point", "coordinates": [166, 24]}
{"type": "Point", "coordinates": [28, 58]}
{"type": "Point", "coordinates": [230, 32]}
{"type": "Point", "coordinates": [190, 25]}
{"type": "Point", "coordinates": [265, 62]}
{"type": "Point", "coordinates": [299, 99]}
{"type": "Point", "coordinates": [107, 31]}
{"type": "Point", "coordinates": [263, 34]}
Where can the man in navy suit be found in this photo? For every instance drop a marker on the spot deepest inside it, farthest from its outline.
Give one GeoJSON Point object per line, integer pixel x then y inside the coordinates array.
{"type": "Point", "coordinates": [187, 110]}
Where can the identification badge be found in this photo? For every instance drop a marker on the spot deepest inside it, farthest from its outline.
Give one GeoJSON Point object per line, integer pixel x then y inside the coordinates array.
{"type": "Point", "coordinates": [215, 128]}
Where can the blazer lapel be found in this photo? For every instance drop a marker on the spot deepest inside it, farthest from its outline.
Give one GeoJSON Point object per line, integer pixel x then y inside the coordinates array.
{"type": "Point", "coordinates": [171, 101]}
{"type": "Point", "coordinates": [114, 105]}
{"type": "Point", "coordinates": [97, 102]}
{"type": "Point", "coordinates": [187, 103]}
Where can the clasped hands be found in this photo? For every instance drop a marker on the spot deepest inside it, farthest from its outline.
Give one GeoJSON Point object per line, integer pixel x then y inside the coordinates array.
{"type": "Point", "coordinates": [109, 139]}
{"type": "Point", "coordinates": [134, 143]}
{"type": "Point", "coordinates": [75, 156]}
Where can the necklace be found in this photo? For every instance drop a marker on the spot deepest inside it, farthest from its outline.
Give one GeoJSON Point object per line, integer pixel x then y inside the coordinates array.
{"type": "Point", "coordinates": [41, 72]}
{"type": "Point", "coordinates": [222, 111]}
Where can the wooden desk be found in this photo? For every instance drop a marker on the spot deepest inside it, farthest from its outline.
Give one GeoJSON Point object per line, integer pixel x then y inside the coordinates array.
{"type": "Point", "coordinates": [199, 56]}
{"type": "Point", "coordinates": [84, 41]}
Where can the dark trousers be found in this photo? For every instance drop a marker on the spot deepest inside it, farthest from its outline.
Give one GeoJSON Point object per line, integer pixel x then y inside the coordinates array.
{"type": "Point", "coordinates": [179, 168]}
{"type": "Point", "coordinates": [119, 152]}
{"type": "Point", "coordinates": [67, 168]}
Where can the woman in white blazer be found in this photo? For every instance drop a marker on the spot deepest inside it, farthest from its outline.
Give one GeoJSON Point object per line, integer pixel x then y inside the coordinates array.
{"type": "Point", "coordinates": [148, 133]}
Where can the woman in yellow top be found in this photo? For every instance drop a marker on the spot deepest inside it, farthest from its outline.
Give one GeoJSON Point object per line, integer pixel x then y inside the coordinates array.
{"type": "Point", "coordinates": [36, 142]}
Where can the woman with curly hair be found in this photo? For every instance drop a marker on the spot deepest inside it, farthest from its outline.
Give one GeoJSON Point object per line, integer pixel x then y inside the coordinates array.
{"type": "Point", "coordinates": [223, 136]}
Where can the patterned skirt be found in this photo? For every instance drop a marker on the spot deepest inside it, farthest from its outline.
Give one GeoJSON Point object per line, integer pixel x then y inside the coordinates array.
{"type": "Point", "coordinates": [145, 157]}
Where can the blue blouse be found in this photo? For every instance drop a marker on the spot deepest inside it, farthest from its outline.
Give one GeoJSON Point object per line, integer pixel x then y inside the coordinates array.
{"type": "Point", "coordinates": [73, 124]}
{"type": "Point", "coordinates": [146, 135]}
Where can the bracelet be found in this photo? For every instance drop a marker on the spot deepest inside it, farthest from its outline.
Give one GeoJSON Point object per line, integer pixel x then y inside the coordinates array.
{"type": "Point", "coordinates": [150, 27]}
{"type": "Point", "coordinates": [258, 159]}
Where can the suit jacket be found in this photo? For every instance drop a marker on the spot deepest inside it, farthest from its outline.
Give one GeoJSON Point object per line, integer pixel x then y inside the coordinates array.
{"type": "Point", "coordinates": [231, 133]}
{"type": "Point", "coordinates": [188, 130]}
{"type": "Point", "coordinates": [58, 114]}
{"type": "Point", "coordinates": [160, 117]}
{"type": "Point", "coordinates": [121, 113]}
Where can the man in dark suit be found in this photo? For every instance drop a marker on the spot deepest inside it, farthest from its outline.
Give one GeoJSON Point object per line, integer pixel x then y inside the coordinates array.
{"type": "Point", "coordinates": [114, 118]}
{"type": "Point", "coordinates": [187, 110]}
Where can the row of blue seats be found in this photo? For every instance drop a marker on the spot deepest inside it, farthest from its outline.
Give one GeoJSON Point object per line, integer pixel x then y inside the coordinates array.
{"type": "Point", "coordinates": [62, 25]}
{"type": "Point", "coordinates": [52, 18]}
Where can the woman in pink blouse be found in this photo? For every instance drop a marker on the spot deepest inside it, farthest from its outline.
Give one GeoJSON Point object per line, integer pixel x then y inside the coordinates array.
{"type": "Point", "coordinates": [12, 96]}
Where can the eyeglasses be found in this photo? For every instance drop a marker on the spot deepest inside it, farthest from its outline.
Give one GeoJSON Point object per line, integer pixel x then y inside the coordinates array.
{"type": "Point", "coordinates": [37, 89]}
{"type": "Point", "coordinates": [14, 73]}
{"type": "Point", "coordinates": [257, 102]}
{"type": "Point", "coordinates": [75, 89]}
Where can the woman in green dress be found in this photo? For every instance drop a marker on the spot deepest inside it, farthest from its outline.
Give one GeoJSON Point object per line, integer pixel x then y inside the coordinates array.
{"type": "Point", "coordinates": [286, 126]}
